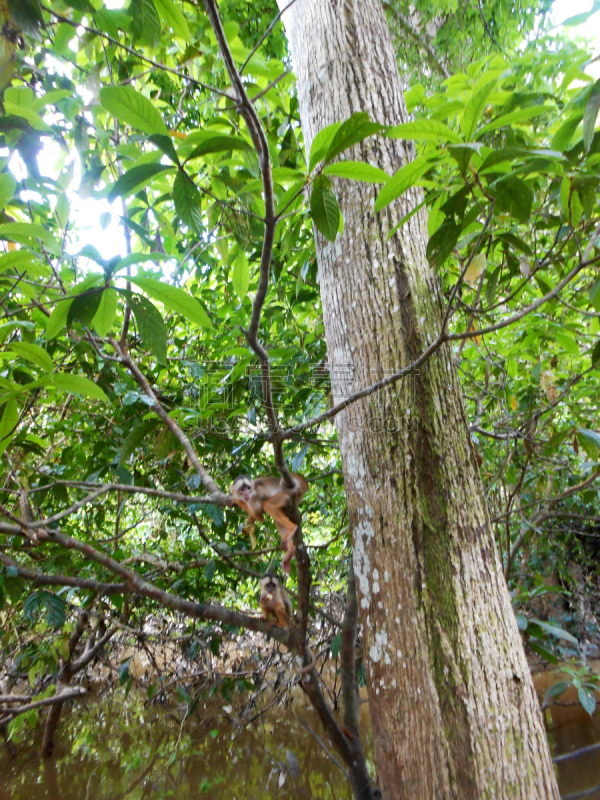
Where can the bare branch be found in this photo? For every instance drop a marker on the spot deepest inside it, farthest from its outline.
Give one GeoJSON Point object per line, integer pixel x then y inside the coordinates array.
{"type": "Point", "coordinates": [217, 495]}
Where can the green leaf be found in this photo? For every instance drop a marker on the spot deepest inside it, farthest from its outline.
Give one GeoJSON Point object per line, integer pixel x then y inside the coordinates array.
{"type": "Point", "coordinates": [402, 180]}
{"type": "Point", "coordinates": [145, 22]}
{"type": "Point", "coordinates": [474, 109]}
{"type": "Point", "coordinates": [324, 208]}
{"type": "Point", "coordinates": [132, 108]}
{"type": "Point", "coordinates": [104, 317]}
{"type": "Point", "coordinates": [31, 606]}
{"type": "Point", "coordinates": [8, 423]}
{"type": "Point", "coordinates": [354, 130]}
{"type": "Point", "coordinates": [520, 115]}
{"type": "Point", "coordinates": [134, 439]}
{"type": "Point", "coordinates": [590, 115]}
{"type": "Point", "coordinates": [175, 299]}
{"type": "Point", "coordinates": [513, 195]}
{"type": "Point", "coordinates": [405, 219]}
{"type": "Point", "coordinates": [556, 631]}
{"type": "Point", "coordinates": [135, 179]}
{"type": "Point", "coordinates": [321, 144]}
{"type": "Point", "coordinates": [150, 325]}
{"type": "Point", "coordinates": [173, 17]}
{"type": "Point", "coordinates": [568, 344]}
{"type": "Point", "coordinates": [215, 143]}
{"type": "Point", "coordinates": [165, 144]}
{"type": "Point", "coordinates": [57, 321]}
{"type": "Point", "coordinates": [336, 645]}
{"type": "Point", "coordinates": [9, 327]}
{"type": "Point", "coordinates": [590, 436]}
{"type": "Point", "coordinates": [241, 275]}
{"type": "Point", "coordinates": [576, 210]}
{"type": "Point", "coordinates": [443, 241]}
{"type": "Point", "coordinates": [566, 131]}
{"type": "Point", "coordinates": [565, 194]}
{"type": "Point", "coordinates": [55, 607]}
{"type": "Point", "coordinates": [7, 188]}
{"type": "Point", "coordinates": [595, 295]}
{"type": "Point", "coordinates": [27, 14]}
{"type": "Point", "coordinates": [83, 308]}
{"type": "Point", "coordinates": [78, 385]}
{"type": "Point", "coordinates": [34, 353]}
{"type": "Point", "coordinates": [209, 570]}
{"type": "Point", "coordinates": [141, 258]}
{"type": "Point", "coordinates": [555, 691]}
{"type": "Point", "coordinates": [357, 171]}
{"type": "Point", "coordinates": [17, 258]}
{"type": "Point", "coordinates": [587, 698]}
{"type": "Point", "coordinates": [19, 231]}
{"type": "Point", "coordinates": [188, 202]}
{"type": "Point", "coordinates": [579, 19]}
{"type": "Point", "coordinates": [19, 100]}
{"type": "Point", "coordinates": [426, 129]}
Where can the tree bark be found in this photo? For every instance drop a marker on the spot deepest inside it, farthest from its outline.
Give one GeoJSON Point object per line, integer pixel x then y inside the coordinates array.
{"type": "Point", "coordinates": [452, 702]}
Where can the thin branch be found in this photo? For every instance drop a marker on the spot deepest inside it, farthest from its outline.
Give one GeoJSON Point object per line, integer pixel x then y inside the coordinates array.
{"type": "Point", "coordinates": [40, 579]}
{"type": "Point", "coordinates": [68, 694]}
{"type": "Point", "coordinates": [435, 345]}
{"type": "Point", "coordinates": [265, 34]}
{"type": "Point", "coordinates": [348, 658]}
{"type": "Point", "coordinates": [131, 51]}
{"type": "Point", "coordinates": [217, 495]}
{"type": "Point", "coordinates": [259, 139]}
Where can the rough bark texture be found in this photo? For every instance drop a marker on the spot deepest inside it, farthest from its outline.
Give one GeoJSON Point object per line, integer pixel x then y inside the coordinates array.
{"type": "Point", "coordinates": [452, 702]}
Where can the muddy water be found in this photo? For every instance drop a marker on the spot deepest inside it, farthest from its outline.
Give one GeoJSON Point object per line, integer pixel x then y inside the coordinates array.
{"type": "Point", "coordinates": [114, 748]}
{"type": "Point", "coordinates": [574, 739]}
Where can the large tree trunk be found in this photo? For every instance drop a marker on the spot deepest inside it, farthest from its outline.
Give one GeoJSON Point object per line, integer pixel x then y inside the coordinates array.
{"type": "Point", "coordinates": [452, 702]}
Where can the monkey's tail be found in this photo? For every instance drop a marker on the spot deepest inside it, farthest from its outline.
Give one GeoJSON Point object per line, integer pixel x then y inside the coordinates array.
{"type": "Point", "coordinates": [309, 668]}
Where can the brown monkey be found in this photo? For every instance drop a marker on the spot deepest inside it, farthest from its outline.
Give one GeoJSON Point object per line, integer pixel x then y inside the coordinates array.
{"type": "Point", "coordinates": [275, 601]}
{"type": "Point", "coordinates": [269, 495]}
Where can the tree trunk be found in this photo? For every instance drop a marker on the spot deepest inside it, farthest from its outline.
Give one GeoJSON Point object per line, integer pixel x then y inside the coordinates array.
{"type": "Point", "coordinates": [452, 702]}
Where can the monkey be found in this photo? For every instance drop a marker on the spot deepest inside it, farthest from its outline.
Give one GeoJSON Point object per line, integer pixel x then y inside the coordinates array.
{"type": "Point", "coordinates": [268, 495]}
{"type": "Point", "coordinates": [275, 601]}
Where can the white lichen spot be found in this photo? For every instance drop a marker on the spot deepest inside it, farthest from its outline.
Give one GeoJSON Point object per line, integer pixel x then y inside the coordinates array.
{"type": "Point", "coordinates": [386, 576]}
{"type": "Point", "coordinates": [387, 658]}
{"type": "Point", "coordinates": [397, 620]}
{"type": "Point", "coordinates": [375, 574]}
{"type": "Point", "coordinates": [399, 653]}
{"type": "Point", "coordinates": [362, 565]}
{"type": "Point", "coordinates": [376, 651]}
{"type": "Point", "coordinates": [393, 683]}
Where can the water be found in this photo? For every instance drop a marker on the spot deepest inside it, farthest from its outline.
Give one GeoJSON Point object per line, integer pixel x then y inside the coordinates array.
{"type": "Point", "coordinates": [112, 748]}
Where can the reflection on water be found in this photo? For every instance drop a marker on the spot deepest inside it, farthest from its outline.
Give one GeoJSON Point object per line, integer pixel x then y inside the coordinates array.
{"type": "Point", "coordinates": [116, 747]}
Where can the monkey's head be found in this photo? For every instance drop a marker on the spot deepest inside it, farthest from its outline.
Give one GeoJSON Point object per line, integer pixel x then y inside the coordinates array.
{"type": "Point", "coordinates": [242, 488]}
{"type": "Point", "coordinates": [269, 583]}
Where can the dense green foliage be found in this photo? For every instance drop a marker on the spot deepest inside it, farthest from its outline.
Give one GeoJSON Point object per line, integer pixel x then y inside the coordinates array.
{"type": "Point", "coordinates": [129, 108]}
